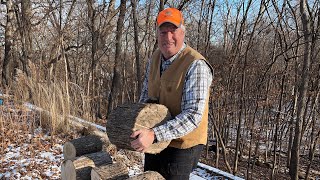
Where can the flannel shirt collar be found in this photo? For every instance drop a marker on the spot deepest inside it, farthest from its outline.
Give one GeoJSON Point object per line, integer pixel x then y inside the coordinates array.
{"type": "Point", "coordinates": [170, 60]}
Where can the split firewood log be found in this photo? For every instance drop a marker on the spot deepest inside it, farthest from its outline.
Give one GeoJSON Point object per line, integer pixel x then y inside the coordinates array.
{"type": "Point", "coordinates": [127, 118]}
{"type": "Point", "coordinates": [81, 167]}
{"type": "Point", "coordinates": [150, 175]}
{"type": "Point", "coordinates": [83, 145]}
{"type": "Point", "coordinates": [111, 171]}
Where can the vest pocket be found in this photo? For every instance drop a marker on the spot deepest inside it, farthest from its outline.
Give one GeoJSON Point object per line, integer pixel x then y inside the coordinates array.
{"type": "Point", "coordinates": [170, 96]}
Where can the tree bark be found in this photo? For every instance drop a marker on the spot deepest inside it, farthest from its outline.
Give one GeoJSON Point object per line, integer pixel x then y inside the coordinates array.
{"type": "Point", "coordinates": [8, 61]}
{"type": "Point", "coordinates": [115, 171]}
{"type": "Point", "coordinates": [84, 145]}
{"type": "Point", "coordinates": [116, 88]}
{"type": "Point", "coordinates": [137, 44]}
{"type": "Point", "coordinates": [81, 167]}
{"type": "Point", "coordinates": [26, 38]}
{"type": "Point", "coordinates": [302, 91]}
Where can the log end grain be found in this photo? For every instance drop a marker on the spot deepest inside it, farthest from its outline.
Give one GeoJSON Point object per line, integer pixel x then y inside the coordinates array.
{"type": "Point", "coordinates": [127, 118]}
{"type": "Point", "coordinates": [68, 170]}
{"type": "Point", "coordinates": [69, 151]}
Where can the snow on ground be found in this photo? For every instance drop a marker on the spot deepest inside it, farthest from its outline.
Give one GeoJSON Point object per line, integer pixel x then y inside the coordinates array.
{"type": "Point", "coordinates": [38, 155]}
{"type": "Point", "coordinates": [26, 161]}
{"type": "Point", "coordinates": [42, 159]}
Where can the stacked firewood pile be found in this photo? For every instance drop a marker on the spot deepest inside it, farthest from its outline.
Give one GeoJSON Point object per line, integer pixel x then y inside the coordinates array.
{"type": "Point", "coordinates": [87, 158]}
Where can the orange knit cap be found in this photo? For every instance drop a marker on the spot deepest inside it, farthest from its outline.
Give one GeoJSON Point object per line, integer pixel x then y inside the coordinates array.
{"type": "Point", "coordinates": [171, 15]}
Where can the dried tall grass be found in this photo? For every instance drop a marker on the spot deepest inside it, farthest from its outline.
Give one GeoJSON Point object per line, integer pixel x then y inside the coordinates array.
{"type": "Point", "coordinates": [55, 96]}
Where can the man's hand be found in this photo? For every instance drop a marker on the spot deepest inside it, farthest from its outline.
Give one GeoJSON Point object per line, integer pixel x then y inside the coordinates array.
{"type": "Point", "coordinates": [144, 138]}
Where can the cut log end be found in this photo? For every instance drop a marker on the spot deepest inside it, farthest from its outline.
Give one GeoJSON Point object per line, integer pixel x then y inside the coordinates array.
{"type": "Point", "coordinates": [127, 118]}
{"type": "Point", "coordinates": [68, 170]}
{"type": "Point", "coordinates": [69, 151]}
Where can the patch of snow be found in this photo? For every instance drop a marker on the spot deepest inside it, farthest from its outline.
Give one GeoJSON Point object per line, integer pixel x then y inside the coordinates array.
{"type": "Point", "coordinates": [11, 155]}
{"type": "Point", "coordinates": [134, 170]}
{"type": "Point", "coordinates": [195, 177]}
{"type": "Point", "coordinates": [48, 173]}
{"type": "Point", "coordinates": [7, 174]}
{"type": "Point", "coordinates": [48, 155]}
{"type": "Point", "coordinates": [218, 171]}
{"type": "Point", "coordinates": [26, 178]}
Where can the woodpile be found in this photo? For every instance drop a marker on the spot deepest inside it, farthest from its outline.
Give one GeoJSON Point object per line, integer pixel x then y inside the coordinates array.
{"type": "Point", "coordinates": [85, 159]}
{"type": "Point", "coordinates": [126, 119]}
{"type": "Point", "coordinates": [80, 168]}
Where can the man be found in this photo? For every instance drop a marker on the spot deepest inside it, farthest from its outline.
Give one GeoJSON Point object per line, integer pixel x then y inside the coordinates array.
{"type": "Point", "coordinates": [178, 77]}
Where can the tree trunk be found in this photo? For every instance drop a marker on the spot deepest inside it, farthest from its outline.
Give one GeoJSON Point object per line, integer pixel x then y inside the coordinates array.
{"type": "Point", "coordinates": [7, 68]}
{"type": "Point", "coordinates": [302, 91]}
{"type": "Point", "coordinates": [137, 45]}
{"type": "Point", "coordinates": [116, 88]}
{"type": "Point", "coordinates": [199, 25]}
{"type": "Point", "coordinates": [276, 138]}
{"type": "Point", "coordinates": [26, 38]}
{"type": "Point", "coordinates": [224, 150]}
{"type": "Point", "coordinates": [213, 4]}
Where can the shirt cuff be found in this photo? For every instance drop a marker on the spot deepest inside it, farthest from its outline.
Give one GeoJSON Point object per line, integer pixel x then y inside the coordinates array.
{"type": "Point", "coordinates": [157, 134]}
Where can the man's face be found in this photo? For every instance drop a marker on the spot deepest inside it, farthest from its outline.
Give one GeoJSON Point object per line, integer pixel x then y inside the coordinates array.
{"type": "Point", "coordinates": [170, 39]}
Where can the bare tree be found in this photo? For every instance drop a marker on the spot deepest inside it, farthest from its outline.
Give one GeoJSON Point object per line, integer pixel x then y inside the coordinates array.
{"type": "Point", "coordinates": [302, 89]}
{"type": "Point", "coordinates": [25, 33]}
{"type": "Point", "coordinates": [116, 89]}
{"type": "Point", "coordinates": [9, 62]}
{"type": "Point", "coordinates": [136, 43]}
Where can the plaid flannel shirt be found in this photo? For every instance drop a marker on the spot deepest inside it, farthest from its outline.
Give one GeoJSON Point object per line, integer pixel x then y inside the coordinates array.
{"type": "Point", "coordinates": [196, 88]}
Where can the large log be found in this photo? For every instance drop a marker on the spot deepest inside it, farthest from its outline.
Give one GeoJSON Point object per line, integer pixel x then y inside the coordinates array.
{"type": "Point", "coordinates": [150, 175]}
{"type": "Point", "coordinates": [126, 119]}
{"type": "Point", "coordinates": [80, 168]}
{"type": "Point", "coordinates": [116, 171]}
{"type": "Point", "coordinates": [83, 145]}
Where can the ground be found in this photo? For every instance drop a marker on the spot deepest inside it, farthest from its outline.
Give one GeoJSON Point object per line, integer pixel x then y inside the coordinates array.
{"type": "Point", "coordinates": [30, 152]}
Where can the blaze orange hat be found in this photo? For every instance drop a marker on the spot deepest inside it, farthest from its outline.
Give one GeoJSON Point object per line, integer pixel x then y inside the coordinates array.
{"type": "Point", "coordinates": [171, 15]}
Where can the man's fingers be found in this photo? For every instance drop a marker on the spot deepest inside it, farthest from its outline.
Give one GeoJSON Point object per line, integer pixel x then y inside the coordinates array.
{"type": "Point", "coordinates": [135, 134]}
{"type": "Point", "coordinates": [135, 143]}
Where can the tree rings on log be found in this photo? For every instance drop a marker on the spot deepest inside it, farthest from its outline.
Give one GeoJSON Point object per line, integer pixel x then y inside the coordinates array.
{"type": "Point", "coordinates": [127, 118]}
{"type": "Point", "coordinates": [83, 145]}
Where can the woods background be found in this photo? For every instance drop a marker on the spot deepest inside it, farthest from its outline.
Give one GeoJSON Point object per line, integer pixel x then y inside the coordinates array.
{"type": "Point", "coordinates": [86, 57]}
